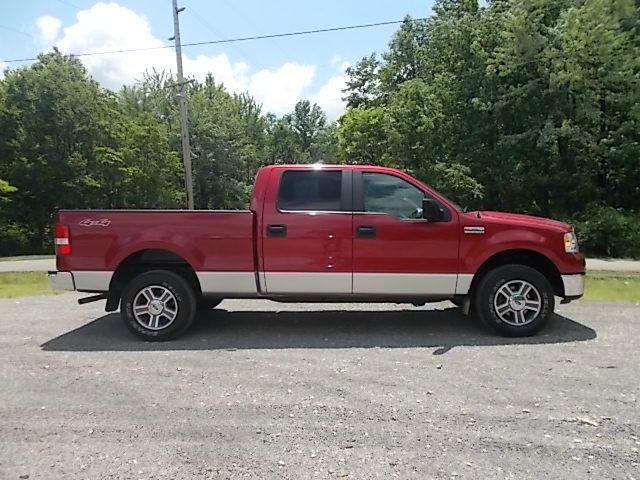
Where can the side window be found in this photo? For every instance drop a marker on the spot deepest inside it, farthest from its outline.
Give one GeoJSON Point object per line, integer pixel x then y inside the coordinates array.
{"type": "Point", "coordinates": [392, 195]}
{"type": "Point", "coordinates": [310, 191]}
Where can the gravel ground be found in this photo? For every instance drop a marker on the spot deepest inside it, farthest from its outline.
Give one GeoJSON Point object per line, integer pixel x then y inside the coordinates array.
{"type": "Point", "coordinates": [263, 390]}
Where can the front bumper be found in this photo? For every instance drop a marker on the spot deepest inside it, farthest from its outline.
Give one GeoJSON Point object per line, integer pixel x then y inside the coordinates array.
{"type": "Point", "coordinates": [573, 286]}
{"type": "Point", "coordinates": [61, 280]}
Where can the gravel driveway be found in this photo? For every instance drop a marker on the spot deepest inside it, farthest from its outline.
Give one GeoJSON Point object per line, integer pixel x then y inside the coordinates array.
{"type": "Point", "coordinates": [263, 390]}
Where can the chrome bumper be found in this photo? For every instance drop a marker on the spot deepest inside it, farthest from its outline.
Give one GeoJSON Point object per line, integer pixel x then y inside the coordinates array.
{"type": "Point", "coordinates": [573, 285]}
{"type": "Point", "coordinates": [61, 280]}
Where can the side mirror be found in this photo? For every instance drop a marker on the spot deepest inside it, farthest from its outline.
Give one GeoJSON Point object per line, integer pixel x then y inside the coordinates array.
{"type": "Point", "coordinates": [431, 210]}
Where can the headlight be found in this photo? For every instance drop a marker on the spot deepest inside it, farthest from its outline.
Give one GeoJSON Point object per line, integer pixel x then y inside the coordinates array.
{"type": "Point", "coordinates": [570, 242]}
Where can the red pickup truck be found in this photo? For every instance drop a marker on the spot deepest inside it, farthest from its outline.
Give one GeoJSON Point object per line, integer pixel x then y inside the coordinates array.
{"type": "Point", "coordinates": [320, 233]}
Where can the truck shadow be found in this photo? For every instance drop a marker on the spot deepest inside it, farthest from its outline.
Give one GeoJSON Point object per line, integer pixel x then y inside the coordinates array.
{"type": "Point", "coordinates": [231, 330]}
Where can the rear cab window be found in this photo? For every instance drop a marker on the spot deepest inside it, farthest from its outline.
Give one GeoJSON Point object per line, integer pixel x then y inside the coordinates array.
{"type": "Point", "coordinates": [311, 190]}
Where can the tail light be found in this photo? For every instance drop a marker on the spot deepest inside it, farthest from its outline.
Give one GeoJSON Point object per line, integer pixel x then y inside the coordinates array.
{"type": "Point", "coordinates": [61, 239]}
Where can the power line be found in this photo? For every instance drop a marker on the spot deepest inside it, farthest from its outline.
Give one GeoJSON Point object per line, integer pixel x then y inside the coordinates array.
{"type": "Point", "coordinates": [68, 4]}
{"type": "Point", "coordinates": [200, 19]}
{"type": "Point", "coordinates": [231, 40]}
{"type": "Point", "coordinates": [16, 31]}
{"type": "Point", "coordinates": [242, 15]}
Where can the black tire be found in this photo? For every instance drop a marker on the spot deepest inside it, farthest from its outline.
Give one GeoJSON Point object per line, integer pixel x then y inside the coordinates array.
{"type": "Point", "coordinates": [206, 303]}
{"type": "Point", "coordinates": [516, 315]}
{"type": "Point", "coordinates": [180, 299]}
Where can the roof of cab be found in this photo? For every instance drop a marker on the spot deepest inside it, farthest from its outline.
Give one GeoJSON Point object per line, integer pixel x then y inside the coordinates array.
{"type": "Point", "coordinates": [323, 166]}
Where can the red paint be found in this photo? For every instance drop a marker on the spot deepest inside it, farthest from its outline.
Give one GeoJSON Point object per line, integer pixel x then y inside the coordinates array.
{"type": "Point", "coordinates": [509, 231]}
{"type": "Point", "coordinates": [315, 241]}
{"type": "Point", "coordinates": [406, 246]}
{"type": "Point", "coordinates": [208, 241]}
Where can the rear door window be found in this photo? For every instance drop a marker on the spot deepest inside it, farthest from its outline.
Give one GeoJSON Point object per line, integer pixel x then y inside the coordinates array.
{"type": "Point", "coordinates": [310, 191]}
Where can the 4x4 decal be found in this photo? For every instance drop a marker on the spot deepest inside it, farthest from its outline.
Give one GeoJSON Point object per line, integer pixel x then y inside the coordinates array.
{"type": "Point", "coordinates": [103, 222]}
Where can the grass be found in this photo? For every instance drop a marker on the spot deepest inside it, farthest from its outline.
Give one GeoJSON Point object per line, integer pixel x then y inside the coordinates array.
{"type": "Point", "coordinates": [613, 286]}
{"type": "Point", "coordinates": [22, 284]}
{"type": "Point", "coordinates": [26, 257]}
{"type": "Point", "coordinates": [599, 286]}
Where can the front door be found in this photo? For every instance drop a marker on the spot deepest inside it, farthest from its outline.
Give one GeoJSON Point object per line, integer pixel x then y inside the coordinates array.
{"type": "Point", "coordinates": [307, 239]}
{"type": "Point", "coordinates": [396, 251]}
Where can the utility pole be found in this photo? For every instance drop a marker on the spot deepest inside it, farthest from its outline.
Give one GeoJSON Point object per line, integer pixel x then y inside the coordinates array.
{"type": "Point", "coordinates": [182, 100]}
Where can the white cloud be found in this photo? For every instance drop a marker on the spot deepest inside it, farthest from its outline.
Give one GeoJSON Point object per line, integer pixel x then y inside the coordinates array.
{"type": "Point", "coordinates": [329, 97]}
{"type": "Point", "coordinates": [47, 29]}
{"type": "Point", "coordinates": [341, 63]}
{"type": "Point", "coordinates": [280, 89]}
{"type": "Point", "coordinates": [109, 26]}
{"type": "Point", "coordinates": [233, 75]}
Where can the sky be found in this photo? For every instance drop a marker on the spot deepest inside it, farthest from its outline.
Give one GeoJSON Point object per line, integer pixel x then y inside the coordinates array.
{"type": "Point", "coordinates": [277, 72]}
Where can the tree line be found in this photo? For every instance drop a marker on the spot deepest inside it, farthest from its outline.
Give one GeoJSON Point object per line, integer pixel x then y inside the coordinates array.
{"type": "Point", "coordinates": [523, 105]}
{"type": "Point", "coordinates": [66, 142]}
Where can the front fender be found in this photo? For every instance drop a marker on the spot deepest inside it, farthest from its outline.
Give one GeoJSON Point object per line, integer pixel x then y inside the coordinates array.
{"type": "Point", "coordinates": [476, 250]}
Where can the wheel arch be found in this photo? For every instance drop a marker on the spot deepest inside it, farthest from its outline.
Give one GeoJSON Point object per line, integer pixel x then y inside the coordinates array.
{"type": "Point", "coordinates": [526, 257]}
{"type": "Point", "coordinates": [144, 260]}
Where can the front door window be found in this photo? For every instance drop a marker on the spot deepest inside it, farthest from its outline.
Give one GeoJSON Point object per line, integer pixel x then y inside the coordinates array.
{"type": "Point", "coordinates": [391, 195]}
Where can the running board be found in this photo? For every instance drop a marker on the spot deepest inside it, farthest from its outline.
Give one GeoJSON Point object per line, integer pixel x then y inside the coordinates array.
{"type": "Point", "coordinates": [93, 298]}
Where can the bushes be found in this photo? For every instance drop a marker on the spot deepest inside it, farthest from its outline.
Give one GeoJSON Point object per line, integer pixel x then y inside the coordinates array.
{"type": "Point", "coordinates": [609, 232]}
{"type": "Point", "coordinates": [14, 239]}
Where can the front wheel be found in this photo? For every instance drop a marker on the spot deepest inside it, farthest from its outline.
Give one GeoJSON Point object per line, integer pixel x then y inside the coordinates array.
{"type": "Point", "coordinates": [158, 305]}
{"type": "Point", "coordinates": [514, 300]}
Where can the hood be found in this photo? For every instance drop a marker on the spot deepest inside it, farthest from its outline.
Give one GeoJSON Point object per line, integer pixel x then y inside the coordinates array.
{"type": "Point", "coordinates": [519, 220]}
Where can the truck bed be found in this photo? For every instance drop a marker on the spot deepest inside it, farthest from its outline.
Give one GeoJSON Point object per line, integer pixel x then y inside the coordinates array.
{"type": "Point", "coordinates": [209, 240]}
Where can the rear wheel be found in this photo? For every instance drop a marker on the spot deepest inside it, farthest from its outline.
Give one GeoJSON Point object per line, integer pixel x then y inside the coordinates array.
{"type": "Point", "coordinates": [514, 300]}
{"type": "Point", "coordinates": [158, 305]}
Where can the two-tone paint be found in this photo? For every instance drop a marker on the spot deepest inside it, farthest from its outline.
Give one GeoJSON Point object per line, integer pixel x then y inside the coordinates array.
{"type": "Point", "coordinates": [245, 254]}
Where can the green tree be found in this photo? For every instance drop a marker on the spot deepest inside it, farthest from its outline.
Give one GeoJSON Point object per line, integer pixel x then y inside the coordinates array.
{"type": "Point", "coordinates": [5, 188]}
{"type": "Point", "coordinates": [302, 136]}
{"type": "Point", "coordinates": [66, 142]}
{"type": "Point", "coordinates": [307, 121]}
{"type": "Point", "coordinates": [282, 141]}
{"type": "Point", "coordinates": [53, 117]}
{"type": "Point", "coordinates": [528, 105]}
{"type": "Point", "coordinates": [228, 145]}
{"type": "Point", "coordinates": [362, 136]}
{"type": "Point", "coordinates": [363, 85]}
{"type": "Point", "coordinates": [12, 235]}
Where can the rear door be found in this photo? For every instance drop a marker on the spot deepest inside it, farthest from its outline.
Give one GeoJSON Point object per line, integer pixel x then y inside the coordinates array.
{"type": "Point", "coordinates": [396, 251]}
{"type": "Point", "coordinates": [307, 232]}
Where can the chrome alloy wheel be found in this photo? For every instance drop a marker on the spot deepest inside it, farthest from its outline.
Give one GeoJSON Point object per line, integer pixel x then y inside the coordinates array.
{"type": "Point", "coordinates": [155, 307]}
{"type": "Point", "coordinates": [517, 303]}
